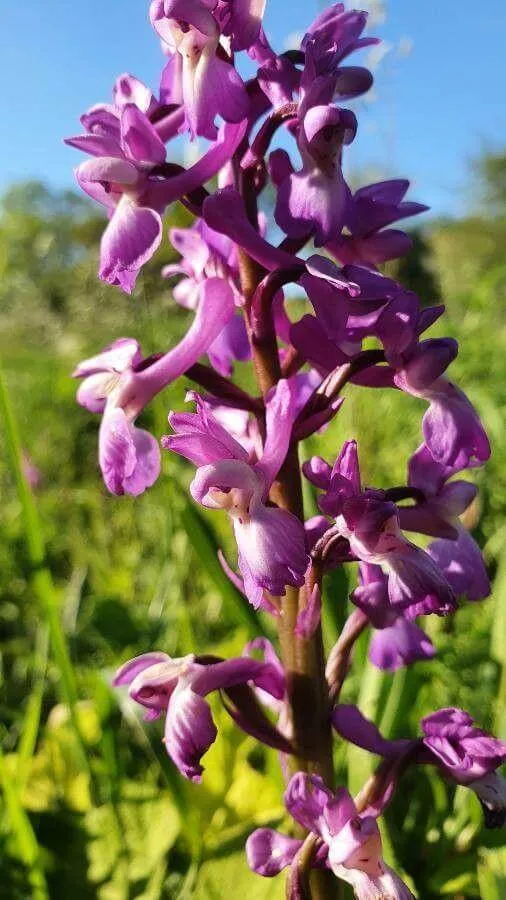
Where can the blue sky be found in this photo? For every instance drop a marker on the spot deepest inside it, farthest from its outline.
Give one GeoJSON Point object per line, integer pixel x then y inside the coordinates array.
{"type": "Point", "coordinates": [439, 88]}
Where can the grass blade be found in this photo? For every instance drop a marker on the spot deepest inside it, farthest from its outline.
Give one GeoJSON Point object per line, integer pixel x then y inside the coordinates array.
{"type": "Point", "coordinates": [41, 579]}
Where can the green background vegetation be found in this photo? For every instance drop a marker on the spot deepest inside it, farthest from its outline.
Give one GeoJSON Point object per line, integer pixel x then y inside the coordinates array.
{"type": "Point", "coordinates": [91, 806]}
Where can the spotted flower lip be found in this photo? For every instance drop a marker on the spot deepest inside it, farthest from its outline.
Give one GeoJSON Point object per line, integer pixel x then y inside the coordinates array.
{"type": "Point", "coordinates": [349, 842]}
{"type": "Point", "coordinates": [177, 689]}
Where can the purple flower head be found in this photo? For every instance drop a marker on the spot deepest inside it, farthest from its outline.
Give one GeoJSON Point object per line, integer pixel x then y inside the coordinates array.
{"type": "Point", "coordinates": [451, 427]}
{"type": "Point", "coordinates": [177, 688]}
{"type": "Point", "coordinates": [119, 383]}
{"type": "Point", "coordinates": [397, 641]}
{"type": "Point", "coordinates": [333, 36]}
{"type": "Point", "coordinates": [209, 84]}
{"type": "Point", "coordinates": [129, 457]}
{"type": "Point", "coordinates": [271, 542]}
{"type": "Point", "coordinates": [118, 177]}
{"type": "Point", "coordinates": [455, 552]}
{"type": "Point", "coordinates": [350, 843]}
{"type": "Point", "coordinates": [314, 200]}
{"type": "Point", "coordinates": [370, 211]}
{"type": "Point", "coordinates": [122, 177]}
{"type": "Point", "coordinates": [469, 756]}
{"type": "Point", "coordinates": [415, 584]}
{"type": "Point", "coordinates": [370, 524]}
{"type": "Point", "coordinates": [465, 754]}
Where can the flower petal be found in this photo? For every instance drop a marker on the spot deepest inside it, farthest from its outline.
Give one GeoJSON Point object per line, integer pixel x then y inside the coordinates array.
{"type": "Point", "coordinates": [131, 238]}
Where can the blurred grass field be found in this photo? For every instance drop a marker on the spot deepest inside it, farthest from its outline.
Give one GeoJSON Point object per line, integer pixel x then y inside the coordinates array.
{"type": "Point", "coordinates": [91, 806]}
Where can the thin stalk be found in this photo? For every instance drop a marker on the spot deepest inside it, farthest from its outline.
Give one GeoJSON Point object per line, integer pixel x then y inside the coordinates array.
{"type": "Point", "coordinates": [31, 718]}
{"type": "Point", "coordinates": [41, 578]}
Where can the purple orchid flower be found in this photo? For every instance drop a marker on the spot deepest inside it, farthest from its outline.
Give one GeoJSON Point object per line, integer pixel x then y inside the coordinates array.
{"type": "Point", "coordinates": [119, 179]}
{"type": "Point", "coordinates": [465, 754]}
{"type": "Point", "coordinates": [209, 85]}
{"type": "Point", "coordinates": [103, 120]}
{"type": "Point", "coordinates": [451, 427]}
{"type": "Point", "coordinates": [207, 254]}
{"type": "Point", "coordinates": [455, 552]}
{"type": "Point", "coordinates": [314, 200]}
{"type": "Point", "coordinates": [122, 177]}
{"type": "Point", "coordinates": [397, 641]}
{"type": "Point", "coordinates": [370, 211]}
{"type": "Point", "coordinates": [349, 843]}
{"type": "Point", "coordinates": [119, 383]}
{"type": "Point", "coordinates": [271, 542]}
{"type": "Point", "coordinates": [177, 688]}
{"type": "Point", "coordinates": [333, 36]}
{"type": "Point", "coordinates": [371, 525]}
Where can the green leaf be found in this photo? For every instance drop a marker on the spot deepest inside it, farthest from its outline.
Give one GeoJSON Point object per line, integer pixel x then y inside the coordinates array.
{"type": "Point", "coordinates": [230, 876]}
{"type": "Point", "coordinates": [492, 875]}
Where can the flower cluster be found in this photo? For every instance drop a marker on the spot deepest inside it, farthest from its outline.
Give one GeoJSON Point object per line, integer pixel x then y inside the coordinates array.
{"type": "Point", "coordinates": [361, 331]}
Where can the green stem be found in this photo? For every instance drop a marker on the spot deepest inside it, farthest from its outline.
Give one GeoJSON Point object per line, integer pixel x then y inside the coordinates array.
{"type": "Point", "coordinates": [302, 658]}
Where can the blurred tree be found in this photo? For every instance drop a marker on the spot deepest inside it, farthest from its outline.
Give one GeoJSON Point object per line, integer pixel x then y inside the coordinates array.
{"type": "Point", "coordinates": [490, 171]}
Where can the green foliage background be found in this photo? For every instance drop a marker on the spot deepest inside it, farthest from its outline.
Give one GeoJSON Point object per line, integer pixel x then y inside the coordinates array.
{"type": "Point", "coordinates": [91, 806]}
